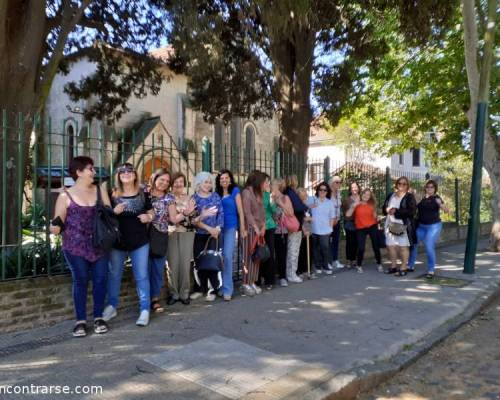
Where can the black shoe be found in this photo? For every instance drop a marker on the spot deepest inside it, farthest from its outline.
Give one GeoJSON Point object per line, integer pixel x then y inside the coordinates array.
{"type": "Point", "coordinates": [401, 272]}
{"type": "Point", "coordinates": [391, 271]}
{"type": "Point", "coordinates": [429, 276]}
{"type": "Point", "coordinates": [186, 302]}
{"type": "Point", "coordinates": [80, 329]}
{"type": "Point", "coordinates": [410, 270]}
{"type": "Point", "coordinates": [171, 301]}
{"type": "Point", "coordinates": [100, 326]}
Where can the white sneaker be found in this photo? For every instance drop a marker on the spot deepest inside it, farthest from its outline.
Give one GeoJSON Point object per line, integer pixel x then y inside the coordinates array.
{"type": "Point", "coordinates": [195, 295]}
{"type": "Point", "coordinates": [295, 279]}
{"type": "Point", "coordinates": [210, 297]}
{"type": "Point", "coordinates": [319, 271]}
{"type": "Point", "coordinates": [339, 265]}
{"type": "Point", "coordinates": [257, 289]}
{"type": "Point", "coordinates": [380, 268]}
{"type": "Point", "coordinates": [247, 290]}
{"type": "Point", "coordinates": [109, 313]}
{"type": "Point", "coordinates": [283, 283]}
{"type": "Point", "coordinates": [359, 270]}
{"type": "Point", "coordinates": [328, 271]}
{"type": "Point", "coordinates": [143, 319]}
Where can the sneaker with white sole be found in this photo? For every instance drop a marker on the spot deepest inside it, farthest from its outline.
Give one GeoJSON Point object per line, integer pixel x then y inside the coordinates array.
{"type": "Point", "coordinates": [227, 297]}
{"type": "Point", "coordinates": [195, 295]}
{"type": "Point", "coordinates": [338, 264]}
{"type": "Point", "coordinates": [319, 271]}
{"type": "Point", "coordinates": [247, 290]}
{"type": "Point", "coordinates": [100, 326]}
{"type": "Point", "coordinates": [256, 289]}
{"type": "Point", "coordinates": [210, 297]}
{"type": "Point", "coordinates": [380, 268]}
{"type": "Point", "coordinates": [328, 271]}
{"type": "Point", "coordinates": [109, 313]}
{"type": "Point", "coordinates": [143, 319]}
{"type": "Point", "coordinates": [295, 279]}
{"type": "Point", "coordinates": [283, 282]}
{"type": "Point", "coordinates": [359, 270]}
{"type": "Point", "coordinates": [80, 329]}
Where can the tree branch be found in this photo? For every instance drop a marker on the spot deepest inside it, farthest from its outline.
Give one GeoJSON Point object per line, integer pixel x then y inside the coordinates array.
{"type": "Point", "coordinates": [70, 18]}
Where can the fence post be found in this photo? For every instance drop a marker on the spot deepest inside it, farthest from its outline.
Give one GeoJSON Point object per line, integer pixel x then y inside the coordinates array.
{"type": "Point", "coordinates": [277, 164]}
{"type": "Point", "coordinates": [206, 154]}
{"type": "Point", "coordinates": [388, 181]}
{"type": "Point", "coordinates": [326, 168]}
{"type": "Point", "coordinates": [457, 202]}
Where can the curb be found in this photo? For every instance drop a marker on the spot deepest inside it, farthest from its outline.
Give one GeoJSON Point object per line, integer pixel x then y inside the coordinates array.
{"type": "Point", "coordinates": [350, 384]}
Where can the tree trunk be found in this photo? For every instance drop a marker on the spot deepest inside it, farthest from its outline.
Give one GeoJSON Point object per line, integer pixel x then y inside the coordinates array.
{"type": "Point", "coordinates": [479, 86]}
{"type": "Point", "coordinates": [21, 46]}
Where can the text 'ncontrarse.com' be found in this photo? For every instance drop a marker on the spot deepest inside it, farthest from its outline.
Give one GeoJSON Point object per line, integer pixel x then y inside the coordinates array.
{"type": "Point", "coordinates": [49, 389]}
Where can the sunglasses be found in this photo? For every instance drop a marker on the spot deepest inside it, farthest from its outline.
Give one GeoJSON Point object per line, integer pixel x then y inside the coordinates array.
{"type": "Point", "coordinates": [322, 190]}
{"type": "Point", "coordinates": [124, 170]}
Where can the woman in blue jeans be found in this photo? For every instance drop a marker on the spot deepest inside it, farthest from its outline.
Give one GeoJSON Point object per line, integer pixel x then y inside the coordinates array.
{"type": "Point", "coordinates": [429, 226]}
{"type": "Point", "coordinates": [134, 210]}
{"type": "Point", "coordinates": [229, 192]}
{"type": "Point", "coordinates": [74, 218]}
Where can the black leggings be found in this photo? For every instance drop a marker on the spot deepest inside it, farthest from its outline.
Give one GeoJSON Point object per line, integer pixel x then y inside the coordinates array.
{"type": "Point", "coordinates": [205, 276]}
{"type": "Point", "coordinates": [361, 235]}
{"type": "Point", "coordinates": [351, 245]}
{"type": "Point", "coordinates": [267, 270]}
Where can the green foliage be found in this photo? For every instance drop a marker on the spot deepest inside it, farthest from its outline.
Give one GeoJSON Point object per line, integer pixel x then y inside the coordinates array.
{"type": "Point", "coordinates": [33, 256]}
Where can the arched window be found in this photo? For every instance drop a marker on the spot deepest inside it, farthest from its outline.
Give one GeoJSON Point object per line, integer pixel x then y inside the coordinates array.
{"type": "Point", "coordinates": [249, 148]}
{"type": "Point", "coordinates": [71, 141]}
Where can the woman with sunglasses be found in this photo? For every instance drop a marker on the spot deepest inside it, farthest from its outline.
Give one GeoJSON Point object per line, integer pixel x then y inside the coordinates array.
{"type": "Point", "coordinates": [400, 208]}
{"type": "Point", "coordinates": [323, 217]}
{"type": "Point", "coordinates": [134, 211]}
{"type": "Point", "coordinates": [429, 226]}
{"type": "Point", "coordinates": [74, 217]}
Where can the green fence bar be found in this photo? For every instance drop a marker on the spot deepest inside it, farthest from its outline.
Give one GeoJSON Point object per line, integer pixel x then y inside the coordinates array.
{"type": "Point", "coordinates": [4, 189]}
{"type": "Point", "coordinates": [34, 222]}
{"type": "Point", "coordinates": [20, 190]}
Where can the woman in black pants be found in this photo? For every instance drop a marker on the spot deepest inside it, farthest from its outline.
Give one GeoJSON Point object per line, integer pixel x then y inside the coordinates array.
{"type": "Point", "coordinates": [351, 243]}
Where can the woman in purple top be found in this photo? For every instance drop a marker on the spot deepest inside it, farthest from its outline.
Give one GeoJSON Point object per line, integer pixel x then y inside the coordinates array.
{"type": "Point", "coordinates": [74, 215]}
{"type": "Point", "coordinates": [211, 226]}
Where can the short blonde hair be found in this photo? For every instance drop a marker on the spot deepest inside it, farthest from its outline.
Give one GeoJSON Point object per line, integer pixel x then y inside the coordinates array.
{"type": "Point", "coordinates": [280, 182]}
{"type": "Point", "coordinates": [301, 190]}
{"type": "Point", "coordinates": [202, 177]}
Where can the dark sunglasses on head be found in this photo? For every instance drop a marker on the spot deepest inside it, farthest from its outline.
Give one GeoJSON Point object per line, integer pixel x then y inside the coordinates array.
{"type": "Point", "coordinates": [124, 169]}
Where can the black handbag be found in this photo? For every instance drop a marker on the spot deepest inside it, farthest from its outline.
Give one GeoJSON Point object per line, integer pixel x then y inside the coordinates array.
{"type": "Point", "coordinates": [106, 227]}
{"type": "Point", "coordinates": [158, 242]}
{"type": "Point", "coordinates": [210, 260]}
{"type": "Point", "coordinates": [260, 250]}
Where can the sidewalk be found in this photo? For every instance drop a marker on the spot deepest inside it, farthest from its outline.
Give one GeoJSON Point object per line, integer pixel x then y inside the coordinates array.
{"type": "Point", "coordinates": [307, 341]}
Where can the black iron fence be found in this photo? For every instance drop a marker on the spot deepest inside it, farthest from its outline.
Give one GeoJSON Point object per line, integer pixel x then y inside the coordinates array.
{"type": "Point", "coordinates": [35, 155]}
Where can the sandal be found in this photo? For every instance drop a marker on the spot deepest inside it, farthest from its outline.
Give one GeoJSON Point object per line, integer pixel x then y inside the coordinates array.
{"type": "Point", "coordinates": [391, 271]}
{"type": "Point", "coordinates": [156, 306]}
{"type": "Point", "coordinates": [401, 272]}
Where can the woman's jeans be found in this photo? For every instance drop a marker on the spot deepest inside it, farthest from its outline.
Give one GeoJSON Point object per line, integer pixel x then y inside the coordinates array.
{"type": "Point", "coordinates": [82, 271]}
{"type": "Point", "coordinates": [156, 275]}
{"type": "Point", "coordinates": [140, 268]}
{"type": "Point", "coordinates": [228, 252]}
{"type": "Point", "coordinates": [429, 234]}
{"type": "Point", "coordinates": [321, 251]}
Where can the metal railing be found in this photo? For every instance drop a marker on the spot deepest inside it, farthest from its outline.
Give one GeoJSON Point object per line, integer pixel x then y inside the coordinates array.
{"type": "Point", "coordinates": [34, 158]}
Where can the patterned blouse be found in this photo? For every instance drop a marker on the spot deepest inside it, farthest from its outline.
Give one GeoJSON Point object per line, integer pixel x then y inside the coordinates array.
{"type": "Point", "coordinates": [206, 202]}
{"type": "Point", "coordinates": [160, 206]}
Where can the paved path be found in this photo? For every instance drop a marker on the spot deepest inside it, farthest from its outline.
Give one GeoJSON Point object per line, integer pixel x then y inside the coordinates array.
{"type": "Point", "coordinates": [305, 341]}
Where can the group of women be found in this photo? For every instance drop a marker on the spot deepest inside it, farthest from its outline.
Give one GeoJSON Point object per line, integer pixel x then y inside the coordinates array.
{"type": "Point", "coordinates": [160, 224]}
